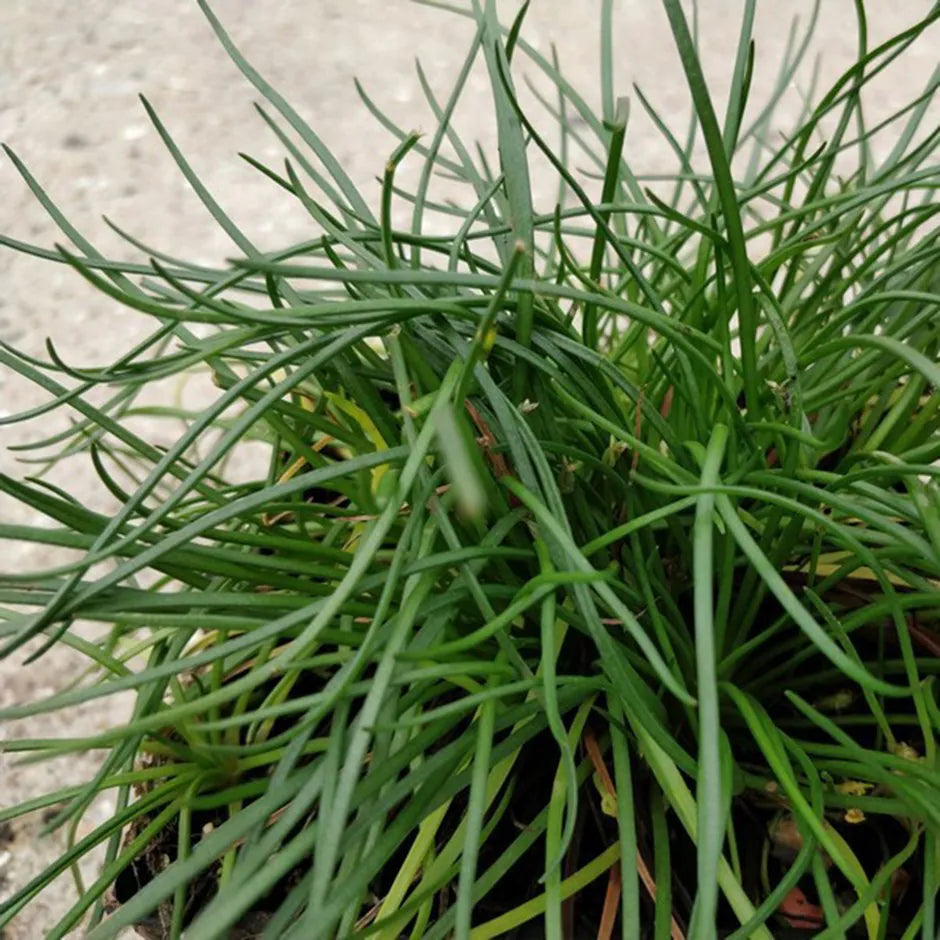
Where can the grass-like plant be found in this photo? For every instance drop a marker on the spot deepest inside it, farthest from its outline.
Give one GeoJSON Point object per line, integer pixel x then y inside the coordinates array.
{"type": "Point", "coordinates": [592, 584]}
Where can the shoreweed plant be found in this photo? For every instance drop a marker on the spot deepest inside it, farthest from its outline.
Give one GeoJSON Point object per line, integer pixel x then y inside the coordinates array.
{"type": "Point", "coordinates": [592, 585]}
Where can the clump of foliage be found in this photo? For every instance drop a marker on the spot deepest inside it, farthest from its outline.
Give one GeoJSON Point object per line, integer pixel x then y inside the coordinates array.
{"type": "Point", "coordinates": [592, 585]}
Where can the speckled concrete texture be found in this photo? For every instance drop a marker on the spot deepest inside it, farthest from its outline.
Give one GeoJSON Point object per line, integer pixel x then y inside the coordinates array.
{"type": "Point", "coordinates": [69, 76]}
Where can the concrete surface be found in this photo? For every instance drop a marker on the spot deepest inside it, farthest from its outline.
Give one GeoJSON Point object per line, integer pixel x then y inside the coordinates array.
{"type": "Point", "coordinates": [69, 76]}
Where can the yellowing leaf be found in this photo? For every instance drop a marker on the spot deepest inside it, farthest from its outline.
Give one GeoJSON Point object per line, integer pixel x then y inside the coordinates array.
{"type": "Point", "coordinates": [366, 425]}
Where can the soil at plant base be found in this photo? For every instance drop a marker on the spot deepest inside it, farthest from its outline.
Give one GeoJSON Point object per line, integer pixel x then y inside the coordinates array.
{"type": "Point", "coordinates": [69, 76]}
